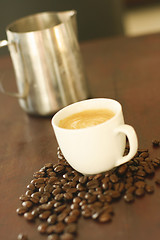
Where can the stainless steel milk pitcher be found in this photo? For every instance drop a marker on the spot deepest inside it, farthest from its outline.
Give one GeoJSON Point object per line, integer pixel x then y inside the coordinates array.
{"type": "Point", "coordinates": [47, 61]}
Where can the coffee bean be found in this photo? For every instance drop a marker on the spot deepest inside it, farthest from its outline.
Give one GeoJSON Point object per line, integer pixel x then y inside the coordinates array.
{"type": "Point", "coordinates": [22, 210]}
{"type": "Point", "coordinates": [114, 194]}
{"type": "Point", "coordinates": [29, 192]}
{"type": "Point", "coordinates": [45, 215]}
{"type": "Point", "coordinates": [75, 212]}
{"type": "Point", "coordinates": [144, 154]}
{"type": "Point", "coordinates": [93, 184]}
{"type": "Point", "coordinates": [53, 237]}
{"type": "Point", "coordinates": [48, 188]}
{"type": "Point", "coordinates": [149, 169]}
{"type": "Point", "coordinates": [72, 190]}
{"type": "Point", "coordinates": [156, 143]}
{"type": "Point", "coordinates": [157, 180]}
{"type": "Point", "coordinates": [67, 236]}
{"type": "Point", "coordinates": [101, 197]}
{"type": "Point", "coordinates": [50, 229]}
{"type": "Point", "coordinates": [57, 204]}
{"type": "Point", "coordinates": [95, 214]}
{"type": "Point", "coordinates": [22, 236]}
{"type": "Point", "coordinates": [140, 184]}
{"type": "Point", "coordinates": [141, 173]}
{"type": "Point", "coordinates": [68, 196]}
{"type": "Point", "coordinates": [59, 168]}
{"type": "Point", "coordinates": [92, 199]}
{"type": "Point", "coordinates": [59, 197]}
{"type": "Point", "coordinates": [24, 198]}
{"type": "Point", "coordinates": [34, 200]}
{"type": "Point", "coordinates": [122, 169]}
{"type": "Point", "coordinates": [46, 206]}
{"type": "Point", "coordinates": [42, 228]}
{"type": "Point", "coordinates": [56, 191]}
{"type": "Point", "coordinates": [52, 219]}
{"type": "Point", "coordinates": [108, 208]}
{"type": "Point", "coordinates": [29, 216]}
{"type": "Point", "coordinates": [59, 227]}
{"type": "Point", "coordinates": [131, 189]}
{"type": "Point", "coordinates": [81, 194]}
{"type": "Point", "coordinates": [71, 228]}
{"type": "Point", "coordinates": [74, 206]}
{"type": "Point", "coordinates": [80, 187]}
{"type": "Point", "coordinates": [60, 208]}
{"type": "Point", "coordinates": [98, 176]}
{"type": "Point", "coordinates": [63, 215]}
{"type": "Point", "coordinates": [113, 178]}
{"type": "Point", "coordinates": [139, 192]}
{"type": "Point", "coordinates": [108, 198]}
{"type": "Point", "coordinates": [38, 181]}
{"type": "Point", "coordinates": [77, 200]}
{"type": "Point", "coordinates": [44, 199]}
{"type": "Point", "coordinates": [105, 186]}
{"type": "Point", "coordinates": [83, 179]}
{"type": "Point", "coordinates": [128, 197]}
{"type": "Point", "coordinates": [87, 213]}
{"type": "Point", "coordinates": [104, 217]}
{"type": "Point", "coordinates": [156, 162]}
{"type": "Point", "coordinates": [27, 204]}
{"type": "Point", "coordinates": [71, 219]}
{"type": "Point", "coordinates": [149, 188]}
{"type": "Point", "coordinates": [36, 195]}
{"type": "Point", "coordinates": [52, 179]}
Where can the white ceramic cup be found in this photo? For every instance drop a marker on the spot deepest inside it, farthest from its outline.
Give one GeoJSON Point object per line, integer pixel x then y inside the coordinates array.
{"type": "Point", "coordinates": [98, 148]}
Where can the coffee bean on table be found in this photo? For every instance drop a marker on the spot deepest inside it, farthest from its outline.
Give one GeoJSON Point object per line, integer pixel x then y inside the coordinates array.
{"type": "Point", "coordinates": [52, 219]}
{"type": "Point", "coordinates": [22, 210]}
{"type": "Point", "coordinates": [71, 219]}
{"type": "Point", "coordinates": [139, 192]}
{"type": "Point", "coordinates": [27, 204]}
{"type": "Point", "coordinates": [42, 228]}
{"type": "Point", "coordinates": [67, 236]}
{"type": "Point", "coordinates": [29, 216]}
{"type": "Point", "coordinates": [75, 212]}
{"type": "Point", "coordinates": [53, 237]}
{"type": "Point", "coordinates": [87, 213]}
{"type": "Point", "coordinates": [59, 227]}
{"type": "Point", "coordinates": [45, 215]}
{"type": "Point", "coordinates": [71, 228]}
{"type": "Point", "coordinates": [22, 236]}
{"type": "Point", "coordinates": [157, 180]}
{"type": "Point", "coordinates": [156, 143]}
{"type": "Point", "coordinates": [104, 217]}
{"type": "Point", "coordinates": [149, 188]}
{"type": "Point", "coordinates": [128, 197]}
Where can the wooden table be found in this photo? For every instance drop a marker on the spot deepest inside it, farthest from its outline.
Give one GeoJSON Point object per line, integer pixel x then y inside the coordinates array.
{"type": "Point", "coordinates": [125, 69]}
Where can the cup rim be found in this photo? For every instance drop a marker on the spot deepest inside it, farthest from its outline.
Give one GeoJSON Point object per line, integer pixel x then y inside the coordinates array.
{"type": "Point", "coordinates": [83, 101]}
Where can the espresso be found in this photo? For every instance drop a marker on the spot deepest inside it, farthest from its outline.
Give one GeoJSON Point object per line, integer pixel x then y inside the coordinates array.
{"type": "Point", "coordinates": [87, 118]}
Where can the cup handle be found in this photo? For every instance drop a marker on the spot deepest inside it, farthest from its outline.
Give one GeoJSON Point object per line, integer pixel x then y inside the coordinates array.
{"type": "Point", "coordinates": [24, 94]}
{"type": "Point", "coordinates": [133, 143]}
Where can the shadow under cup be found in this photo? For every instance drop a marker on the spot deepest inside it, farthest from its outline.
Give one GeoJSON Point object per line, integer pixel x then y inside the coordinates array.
{"type": "Point", "coordinates": [98, 148]}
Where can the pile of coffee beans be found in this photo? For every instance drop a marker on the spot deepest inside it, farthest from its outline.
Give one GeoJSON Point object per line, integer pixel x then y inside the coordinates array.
{"type": "Point", "coordinates": [58, 195]}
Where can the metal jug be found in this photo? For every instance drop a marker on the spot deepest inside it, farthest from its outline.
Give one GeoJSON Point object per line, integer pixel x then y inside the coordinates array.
{"type": "Point", "coordinates": [47, 62]}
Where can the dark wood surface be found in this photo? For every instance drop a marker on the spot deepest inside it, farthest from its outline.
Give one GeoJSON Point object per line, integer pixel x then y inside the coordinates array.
{"type": "Point", "coordinates": [125, 69]}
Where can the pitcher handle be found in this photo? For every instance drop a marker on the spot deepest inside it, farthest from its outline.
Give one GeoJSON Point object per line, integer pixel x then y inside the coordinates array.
{"type": "Point", "coordinates": [5, 43]}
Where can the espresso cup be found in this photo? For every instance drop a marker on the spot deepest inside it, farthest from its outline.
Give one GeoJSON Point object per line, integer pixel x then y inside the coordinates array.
{"type": "Point", "coordinates": [97, 148]}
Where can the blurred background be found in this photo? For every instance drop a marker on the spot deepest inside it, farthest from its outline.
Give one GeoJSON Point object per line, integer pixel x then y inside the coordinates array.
{"type": "Point", "coordinates": [95, 19]}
